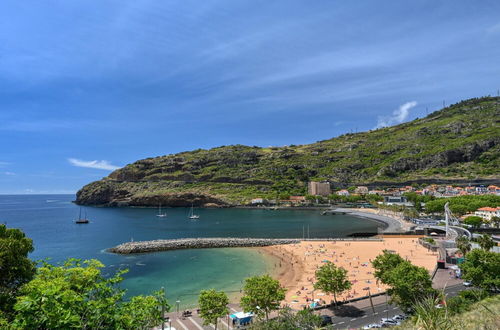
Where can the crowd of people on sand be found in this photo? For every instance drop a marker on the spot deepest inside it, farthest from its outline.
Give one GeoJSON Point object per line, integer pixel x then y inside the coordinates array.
{"type": "Point", "coordinates": [355, 257]}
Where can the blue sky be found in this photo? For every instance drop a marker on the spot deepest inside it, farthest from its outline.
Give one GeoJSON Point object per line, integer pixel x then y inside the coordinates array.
{"type": "Point", "coordinates": [87, 86]}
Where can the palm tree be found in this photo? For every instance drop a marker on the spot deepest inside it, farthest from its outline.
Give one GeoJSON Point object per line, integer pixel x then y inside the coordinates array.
{"type": "Point", "coordinates": [428, 317]}
{"type": "Point", "coordinates": [463, 244]}
{"type": "Point", "coordinates": [486, 242]}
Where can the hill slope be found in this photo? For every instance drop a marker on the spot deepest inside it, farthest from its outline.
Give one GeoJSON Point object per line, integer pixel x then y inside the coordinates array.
{"type": "Point", "coordinates": [460, 142]}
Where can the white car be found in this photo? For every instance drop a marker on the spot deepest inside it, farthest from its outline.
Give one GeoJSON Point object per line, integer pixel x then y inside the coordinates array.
{"type": "Point", "coordinates": [389, 322]}
{"type": "Point", "coordinates": [372, 326]}
{"type": "Point", "coordinates": [399, 317]}
{"type": "Point", "coordinates": [467, 283]}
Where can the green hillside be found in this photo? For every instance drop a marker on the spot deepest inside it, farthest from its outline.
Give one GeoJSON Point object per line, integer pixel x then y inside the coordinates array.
{"type": "Point", "coordinates": [458, 143]}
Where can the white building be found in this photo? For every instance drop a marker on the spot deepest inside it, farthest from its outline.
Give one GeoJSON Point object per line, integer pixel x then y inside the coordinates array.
{"type": "Point", "coordinates": [488, 212]}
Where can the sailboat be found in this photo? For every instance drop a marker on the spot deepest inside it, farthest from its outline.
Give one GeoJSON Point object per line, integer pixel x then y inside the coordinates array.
{"type": "Point", "coordinates": [80, 219]}
{"type": "Point", "coordinates": [192, 215]}
{"type": "Point", "coordinates": [161, 215]}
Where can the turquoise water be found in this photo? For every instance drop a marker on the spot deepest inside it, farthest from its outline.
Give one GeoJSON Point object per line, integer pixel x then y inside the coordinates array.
{"type": "Point", "coordinates": [48, 220]}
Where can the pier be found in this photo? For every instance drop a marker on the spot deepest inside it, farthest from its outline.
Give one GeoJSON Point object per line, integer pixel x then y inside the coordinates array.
{"type": "Point", "coordinates": [196, 243]}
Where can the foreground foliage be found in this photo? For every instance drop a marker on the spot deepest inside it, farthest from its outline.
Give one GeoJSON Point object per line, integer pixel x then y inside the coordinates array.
{"type": "Point", "coordinates": [76, 296]}
{"type": "Point", "coordinates": [16, 268]}
{"type": "Point", "coordinates": [289, 320]}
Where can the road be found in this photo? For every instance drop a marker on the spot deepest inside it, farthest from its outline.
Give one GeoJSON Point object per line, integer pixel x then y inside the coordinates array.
{"type": "Point", "coordinates": [351, 317]}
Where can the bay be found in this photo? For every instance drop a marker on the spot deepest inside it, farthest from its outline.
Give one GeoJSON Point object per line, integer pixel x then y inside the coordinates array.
{"type": "Point", "coordinates": [49, 221]}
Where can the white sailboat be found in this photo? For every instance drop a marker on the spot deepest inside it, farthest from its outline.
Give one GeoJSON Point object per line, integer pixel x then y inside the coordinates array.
{"type": "Point", "coordinates": [161, 215]}
{"type": "Point", "coordinates": [192, 215]}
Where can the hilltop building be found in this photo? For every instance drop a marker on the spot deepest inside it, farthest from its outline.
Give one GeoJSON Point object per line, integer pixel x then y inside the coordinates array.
{"type": "Point", "coordinates": [319, 188]}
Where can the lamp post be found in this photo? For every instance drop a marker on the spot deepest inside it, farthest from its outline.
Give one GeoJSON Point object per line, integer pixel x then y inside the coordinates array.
{"type": "Point", "coordinates": [178, 302]}
{"type": "Point", "coordinates": [163, 312]}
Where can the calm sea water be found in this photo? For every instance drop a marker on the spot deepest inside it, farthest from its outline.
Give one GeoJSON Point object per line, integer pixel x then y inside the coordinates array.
{"type": "Point", "coordinates": [49, 221]}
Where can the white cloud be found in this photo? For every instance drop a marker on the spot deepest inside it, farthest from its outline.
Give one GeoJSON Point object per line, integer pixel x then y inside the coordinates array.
{"type": "Point", "coordinates": [9, 173]}
{"type": "Point", "coordinates": [398, 116]}
{"type": "Point", "coordinates": [4, 164]}
{"type": "Point", "coordinates": [98, 164]}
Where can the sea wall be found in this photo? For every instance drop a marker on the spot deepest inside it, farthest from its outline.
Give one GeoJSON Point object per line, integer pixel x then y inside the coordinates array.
{"type": "Point", "coordinates": [196, 243]}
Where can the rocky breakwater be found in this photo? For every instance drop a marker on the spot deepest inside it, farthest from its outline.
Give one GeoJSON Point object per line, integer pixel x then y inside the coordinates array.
{"type": "Point", "coordinates": [196, 243]}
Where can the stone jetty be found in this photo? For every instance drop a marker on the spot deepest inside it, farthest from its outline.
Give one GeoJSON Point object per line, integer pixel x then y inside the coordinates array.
{"type": "Point", "coordinates": [196, 243]}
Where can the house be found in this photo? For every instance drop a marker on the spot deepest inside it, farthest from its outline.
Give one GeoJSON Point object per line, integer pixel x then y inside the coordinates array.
{"type": "Point", "coordinates": [343, 192]}
{"type": "Point", "coordinates": [319, 188]}
{"type": "Point", "coordinates": [258, 201]}
{"type": "Point", "coordinates": [488, 212]}
{"type": "Point", "coordinates": [362, 190]}
{"type": "Point", "coordinates": [396, 200]}
{"type": "Point", "coordinates": [493, 190]}
{"type": "Point", "coordinates": [481, 190]}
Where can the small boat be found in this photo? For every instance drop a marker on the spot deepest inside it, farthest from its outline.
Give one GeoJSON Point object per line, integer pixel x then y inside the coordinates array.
{"type": "Point", "coordinates": [80, 219]}
{"type": "Point", "coordinates": [192, 215]}
{"type": "Point", "coordinates": [161, 215]}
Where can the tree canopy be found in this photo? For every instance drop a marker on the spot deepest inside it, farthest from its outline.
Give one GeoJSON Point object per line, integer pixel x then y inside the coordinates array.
{"type": "Point", "coordinates": [384, 263]}
{"type": "Point", "coordinates": [473, 221]}
{"type": "Point", "coordinates": [261, 295]}
{"type": "Point", "coordinates": [213, 305]}
{"type": "Point", "coordinates": [408, 284]}
{"type": "Point", "coordinates": [332, 280]}
{"type": "Point", "coordinates": [16, 268]}
{"type": "Point", "coordinates": [482, 269]}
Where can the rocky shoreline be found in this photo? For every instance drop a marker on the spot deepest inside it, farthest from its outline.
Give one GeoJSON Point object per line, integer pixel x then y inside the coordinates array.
{"type": "Point", "coordinates": [196, 243]}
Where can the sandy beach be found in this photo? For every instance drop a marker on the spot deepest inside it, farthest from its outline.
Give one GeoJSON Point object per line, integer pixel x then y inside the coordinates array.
{"type": "Point", "coordinates": [296, 264]}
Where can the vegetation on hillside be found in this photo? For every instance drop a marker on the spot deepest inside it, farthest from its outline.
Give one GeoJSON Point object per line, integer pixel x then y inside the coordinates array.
{"type": "Point", "coordinates": [461, 141]}
{"type": "Point", "coordinates": [462, 204]}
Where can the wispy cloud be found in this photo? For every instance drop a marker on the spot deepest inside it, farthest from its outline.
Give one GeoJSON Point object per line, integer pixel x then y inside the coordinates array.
{"type": "Point", "coordinates": [9, 173]}
{"type": "Point", "coordinates": [2, 164]}
{"type": "Point", "coordinates": [97, 164]}
{"type": "Point", "coordinates": [398, 116]}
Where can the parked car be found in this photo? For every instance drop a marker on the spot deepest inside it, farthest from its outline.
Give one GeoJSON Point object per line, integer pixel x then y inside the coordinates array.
{"type": "Point", "coordinates": [467, 283]}
{"type": "Point", "coordinates": [389, 322]}
{"type": "Point", "coordinates": [399, 317]}
{"type": "Point", "coordinates": [326, 320]}
{"type": "Point", "coordinates": [372, 326]}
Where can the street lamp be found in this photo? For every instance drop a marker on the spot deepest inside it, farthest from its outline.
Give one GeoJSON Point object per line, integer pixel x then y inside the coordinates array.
{"type": "Point", "coordinates": [178, 302]}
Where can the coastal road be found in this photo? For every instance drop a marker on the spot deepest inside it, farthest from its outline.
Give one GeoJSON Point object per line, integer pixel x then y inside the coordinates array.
{"type": "Point", "coordinates": [349, 316]}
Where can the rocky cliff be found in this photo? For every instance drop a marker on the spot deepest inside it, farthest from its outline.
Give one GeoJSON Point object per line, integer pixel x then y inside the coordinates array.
{"type": "Point", "coordinates": [459, 143]}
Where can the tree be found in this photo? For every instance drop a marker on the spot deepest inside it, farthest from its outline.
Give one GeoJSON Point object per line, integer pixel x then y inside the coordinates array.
{"type": "Point", "coordinates": [486, 242]}
{"type": "Point", "coordinates": [473, 221]}
{"type": "Point", "coordinates": [463, 244]}
{"type": "Point", "coordinates": [16, 268]}
{"type": "Point", "coordinates": [76, 295]}
{"type": "Point", "coordinates": [409, 284]}
{"type": "Point", "coordinates": [212, 305]}
{"type": "Point", "coordinates": [262, 294]}
{"type": "Point", "coordinates": [332, 280]}
{"type": "Point", "coordinates": [384, 263]}
{"type": "Point", "coordinates": [288, 320]}
{"type": "Point", "coordinates": [482, 269]}
{"type": "Point", "coordinates": [495, 221]}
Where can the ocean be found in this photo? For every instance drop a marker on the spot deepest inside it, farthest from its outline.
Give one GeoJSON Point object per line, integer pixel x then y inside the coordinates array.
{"type": "Point", "coordinates": [49, 221]}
